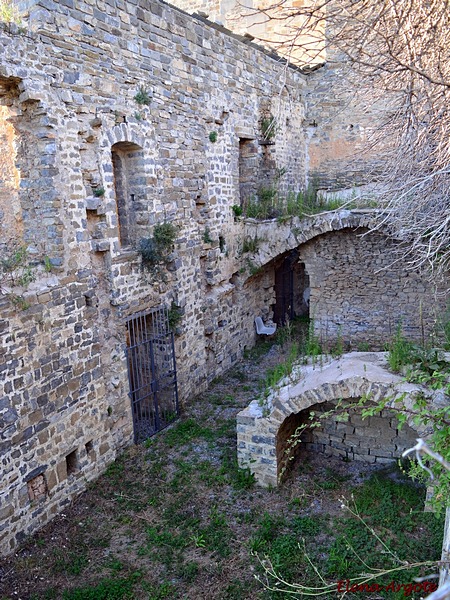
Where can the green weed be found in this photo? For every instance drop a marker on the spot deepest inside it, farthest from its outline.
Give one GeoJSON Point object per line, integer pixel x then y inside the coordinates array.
{"type": "Point", "coordinates": [186, 431]}
{"type": "Point", "coordinates": [399, 351]}
{"type": "Point", "coordinates": [107, 589]}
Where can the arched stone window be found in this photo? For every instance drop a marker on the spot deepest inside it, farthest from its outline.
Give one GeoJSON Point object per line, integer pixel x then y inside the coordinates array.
{"type": "Point", "coordinates": [129, 185]}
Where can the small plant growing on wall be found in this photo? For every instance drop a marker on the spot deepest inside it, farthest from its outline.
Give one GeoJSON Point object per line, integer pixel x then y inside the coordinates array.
{"type": "Point", "coordinates": [17, 270]}
{"type": "Point", "coordinates": [99, 192]}
{"type": "Point", "coordinates": [269, 127]}
{"type": "Point", "coordinates": [250, 245]}
{"type": "Point", "coordinates": [237, 210]}
{"type": "Point", "coordinates": [9, 12]}
{"type": "Point", "coordinates": [213, 137]}
{"type": "Point", "coordinates": [143, 96]}
{"type": "Point", "coordinates": [207, 239]}
{"type": "Point", "coordinates": [175, 314]}
{"type": "Point", "coordinates": [155, 250]}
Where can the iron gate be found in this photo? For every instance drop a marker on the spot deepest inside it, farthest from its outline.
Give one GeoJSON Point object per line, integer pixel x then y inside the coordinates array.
{"type": "Point", "coordinates": [152, 372]}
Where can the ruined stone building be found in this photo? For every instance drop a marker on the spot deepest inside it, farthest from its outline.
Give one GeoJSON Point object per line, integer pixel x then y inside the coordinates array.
{"type": "Point", "coordinates": [128, 131]}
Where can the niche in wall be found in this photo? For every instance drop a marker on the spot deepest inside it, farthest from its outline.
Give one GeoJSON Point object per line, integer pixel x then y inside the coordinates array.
{"type": "Point", "coordinates": [130, 183]}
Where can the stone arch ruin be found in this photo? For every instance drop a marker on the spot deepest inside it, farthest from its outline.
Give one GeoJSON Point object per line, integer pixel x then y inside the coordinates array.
{"type": "Point", "coordinates": [264, 429]}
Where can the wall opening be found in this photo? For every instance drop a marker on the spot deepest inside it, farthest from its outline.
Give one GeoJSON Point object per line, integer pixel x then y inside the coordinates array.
{"type": "Point", "coordinates": [29, 203]}
{"type": "Point", "coordinates": [10, 212]}
{"type": "Point", "coordinates": [248, 170]}
{"type": "Point", "coordinates": [375, 440]}
{"type": "Point", "coordinates": [291, 289]}
{"type": "Point", "coordinates": [130, 184]}
{"type": "Point", "coordinates": [89, 447]}
{"type": "Point", "coordinates": [72, 462]}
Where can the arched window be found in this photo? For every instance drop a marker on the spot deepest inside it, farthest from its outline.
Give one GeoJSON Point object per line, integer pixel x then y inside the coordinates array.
{"type": "Point", "coordinates": [129, 185]}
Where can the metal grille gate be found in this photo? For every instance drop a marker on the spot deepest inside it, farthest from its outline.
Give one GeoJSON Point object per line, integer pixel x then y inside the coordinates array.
{"type": "Point", "coordinates": [152, 372]}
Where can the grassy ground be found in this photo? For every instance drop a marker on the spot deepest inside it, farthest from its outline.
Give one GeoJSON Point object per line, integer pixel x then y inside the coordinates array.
{"type": "Point", "coordinates": [176, 518]}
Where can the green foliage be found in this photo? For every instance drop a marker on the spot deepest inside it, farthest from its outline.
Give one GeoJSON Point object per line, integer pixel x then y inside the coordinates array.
{"type": "Point", "coordinates": [73, 563]}
{"type": "Point", "coordinates": [400, 351]}
{"type": "Point", "coordinates": [250, 245]}
{"type": "Point", "coordinates": [213, 136]}
{"type": "Point", "coordinates": [14, 259]}
{"type": "Point", "coordinates": [253, 269]}
{"type": "Point", "coordinates": [165, 234]}
{"type": "Point", "coordinates": [143, 96]}
{"type": "Point", "coordinates": [269, 127]}
{"type": "Point", "coordinates": [207, 239]}
{"type": "Point", "coordinates": [175, 315]}
{"type": "Point", "coordinates": [312, 346]}
{"type": "Point", "coordinates": [382, 527]}
{"type": "Point", "coordinates": [99, 192]}
{"type": "Point", "coordinates": [16, 269]}
{"type": "Point", "coordinates": [265, 205]}
{"type": "Point", "coordinates": [47, 264]}
{"type": "Point", "coordinates": [275, 374]}
{"type": "Point", "coordinates": [338, 348]}
{"type": "Point", "coordinates": [237, 210]}
{"type": "Point", "coordinates": [108, 589]}
{"type": "Point", "coordinates": [269, 204]}
{"type": "Point", "coordinates": [444, 327]}
{"type": "Point", "coordinates": [284, 334]}
{"type": "Point", "coordinates": [156, 249]}
{"type": "Point", "coordinates": [186, 431]}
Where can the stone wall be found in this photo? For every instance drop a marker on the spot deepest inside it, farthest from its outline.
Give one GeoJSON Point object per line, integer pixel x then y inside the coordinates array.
{"type": "Point", "coordinates": [361, 292]}
{"type": "Point", "coordinates": [261, 21]}
{"type": "Point", "coordinates": [342, 117]}
{"type": "Point", "coordinates": [86, 173]}
{"type": "Point", "coordinates": [375, 440]}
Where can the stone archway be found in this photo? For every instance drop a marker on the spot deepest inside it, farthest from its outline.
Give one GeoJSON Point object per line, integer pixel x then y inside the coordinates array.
{"type": "Point", "coordinates": [262, 431]}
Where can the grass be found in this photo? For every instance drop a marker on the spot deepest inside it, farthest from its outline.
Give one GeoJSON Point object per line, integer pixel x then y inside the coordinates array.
{"type": "Point", "coordinates": [177, 518]}
{"type": "Point", "coordinates": [269, 204]}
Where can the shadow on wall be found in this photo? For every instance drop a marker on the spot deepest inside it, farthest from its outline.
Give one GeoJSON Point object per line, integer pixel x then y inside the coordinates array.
{"type": "Point", "coordinates": [374, 440]}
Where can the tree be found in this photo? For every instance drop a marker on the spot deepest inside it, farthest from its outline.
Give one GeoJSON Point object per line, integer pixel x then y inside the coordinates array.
{"type": "Point", "coordinates": [399, 54]}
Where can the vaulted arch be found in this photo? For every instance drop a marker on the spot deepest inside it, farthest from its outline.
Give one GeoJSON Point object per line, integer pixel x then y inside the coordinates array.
{"type": "Point", "coordinates": [263, 431]}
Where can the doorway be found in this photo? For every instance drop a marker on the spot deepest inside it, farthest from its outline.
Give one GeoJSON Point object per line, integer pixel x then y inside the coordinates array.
{"type": "Point", "coordinates": [291, 289]}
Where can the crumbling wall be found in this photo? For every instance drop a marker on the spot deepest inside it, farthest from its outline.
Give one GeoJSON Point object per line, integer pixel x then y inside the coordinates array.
{"type": "Point", "coordinates": [104, 108]}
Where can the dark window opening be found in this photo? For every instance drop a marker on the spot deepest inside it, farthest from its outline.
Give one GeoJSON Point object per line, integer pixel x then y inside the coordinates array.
{"type": "Point", "coordinates": [72, 463]}
{"type": "Point", "coordinates": [248, 170]}
{"type": "Point", "coordinates": [129, 186]}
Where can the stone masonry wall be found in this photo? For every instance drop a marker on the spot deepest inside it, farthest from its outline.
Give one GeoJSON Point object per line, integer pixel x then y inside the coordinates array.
{"type": "Point", "coordinates": [67, 99]}
{"type": "Point", "coordinates": [361, 292]}
{"type": "Point", "coordinates": [78, 152]}
{"type": "Point", "coordinates": [375, 439]}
